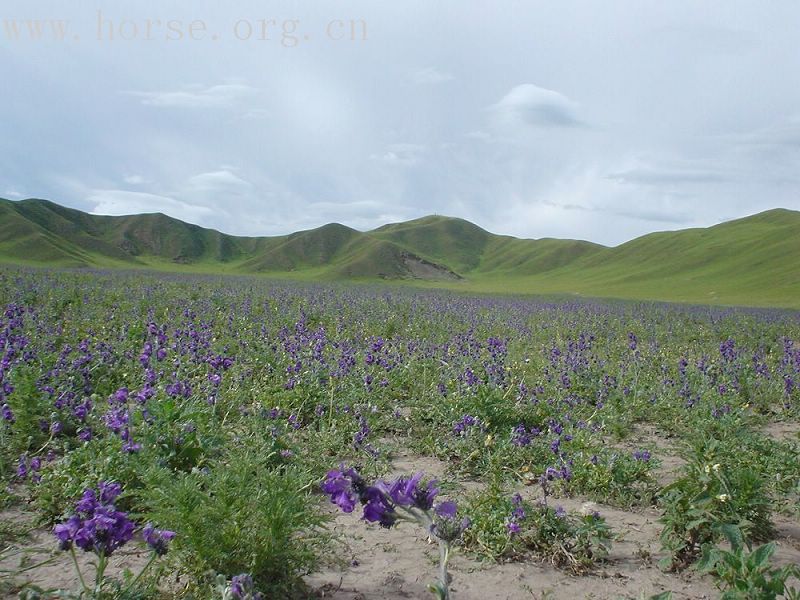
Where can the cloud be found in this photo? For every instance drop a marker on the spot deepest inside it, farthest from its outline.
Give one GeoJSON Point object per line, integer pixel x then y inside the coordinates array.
{"type": "Point", "coordinates": [568, 206]}
{"type": "Point", "coordinates": [215, 181]}
{"type": "Point", "coordinates": [652, 214]}
{"type": "Point", "coordinates": [401, 154]}
{"type": "Point", "coordinates": [658, 177]}
{"type": "Point", "coordinates": [785, 134]}
{"type": "Point", "coordinates": [529, 104]}
{"type": "Point", "coordinates": [217, 96]}
{"type": "Point", "coordinates": [648, 102]}
{"type": "Point", "coordinates": [256, 114]}
{"type": "Point", "coordinates": [124, 202]}
{"type": "Point", "coordinates": [13, 194]}
{"type": "Point", "coordinates": [430, 76]}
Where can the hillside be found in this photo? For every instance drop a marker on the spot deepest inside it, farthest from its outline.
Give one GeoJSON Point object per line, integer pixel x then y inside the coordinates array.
{"type": "Point", "coordinates": [753, 260]}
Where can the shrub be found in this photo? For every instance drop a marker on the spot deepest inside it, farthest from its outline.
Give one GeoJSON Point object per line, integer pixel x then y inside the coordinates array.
{"type": "Point", "coordinates": [242, 515]}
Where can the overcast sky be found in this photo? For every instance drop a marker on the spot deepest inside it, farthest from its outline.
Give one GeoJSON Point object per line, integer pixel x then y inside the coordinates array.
{"type": "Point", "coordinates": [593, 120]}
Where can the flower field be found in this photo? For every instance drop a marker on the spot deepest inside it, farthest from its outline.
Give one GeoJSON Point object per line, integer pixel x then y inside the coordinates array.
{"type": "Point", "coordinates": [212, 437]}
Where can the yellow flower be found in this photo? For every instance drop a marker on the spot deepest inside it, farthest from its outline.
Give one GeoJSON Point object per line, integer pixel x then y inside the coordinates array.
{"type": "Point", "coordinates": [723, 497]}
{"type": "Point", "coordinates": [489, 440]}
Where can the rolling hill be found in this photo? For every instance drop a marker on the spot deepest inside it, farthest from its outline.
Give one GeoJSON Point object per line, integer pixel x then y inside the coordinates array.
{"type": "Point", "coordinates": [752, 261]}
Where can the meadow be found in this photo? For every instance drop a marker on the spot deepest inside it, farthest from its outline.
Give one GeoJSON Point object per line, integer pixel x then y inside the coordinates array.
{"type": "Point", "coordinates": [199, 436]}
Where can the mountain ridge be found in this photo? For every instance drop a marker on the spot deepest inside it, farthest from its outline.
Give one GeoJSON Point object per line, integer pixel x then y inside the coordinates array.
{"type": "Point", "coordinates": [750, 260]}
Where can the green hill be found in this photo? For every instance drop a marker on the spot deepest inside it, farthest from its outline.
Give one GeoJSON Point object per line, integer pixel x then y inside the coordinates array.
{"type": "Point", "coordinates": [754, 260]}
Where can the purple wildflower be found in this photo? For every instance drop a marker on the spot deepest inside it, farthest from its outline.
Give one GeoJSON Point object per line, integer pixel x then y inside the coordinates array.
{"type": "Point", "coordinates": [157, 539]}
{"type": "Point", "coordinates": [97, 525]}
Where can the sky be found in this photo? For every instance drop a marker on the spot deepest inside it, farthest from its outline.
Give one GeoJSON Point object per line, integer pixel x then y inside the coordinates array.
{"type": "Point", "coordinates": [572, 119]}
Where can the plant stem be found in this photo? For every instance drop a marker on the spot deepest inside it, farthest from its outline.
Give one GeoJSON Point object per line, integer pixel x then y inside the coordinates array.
{"type": "Point", "coordinates": [78, 569]}
{"type": "Point", "coordinates": [444, 556]}
{"type": "Point", "coordinates": [139, 576]}
{"type": "Point", "coordinates": [102, 561]}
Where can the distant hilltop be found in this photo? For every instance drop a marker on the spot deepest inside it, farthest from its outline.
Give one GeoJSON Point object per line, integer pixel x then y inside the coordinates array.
{"type": "Point", "coordinates": [753, 261]}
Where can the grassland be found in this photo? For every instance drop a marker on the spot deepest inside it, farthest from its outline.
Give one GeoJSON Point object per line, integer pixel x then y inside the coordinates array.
{"type": "Point", "coordinates": [750, 261]}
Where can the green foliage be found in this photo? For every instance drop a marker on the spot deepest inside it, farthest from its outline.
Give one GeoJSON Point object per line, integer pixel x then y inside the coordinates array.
{"type": "Point", "coordinates": [63, 483]}
{"type": "Point", "coordinates": [743, 574]}
{"type": "Point", "coordinates": [243, 514]}
{"type": "Point", "coordinates": [741, 261]}
{"type": "Point", "coordinates": [571, 541]}
{"type": "Point", "coordinates": [617, 479]}
{"type": "Point", "coordinates": [708, 496]}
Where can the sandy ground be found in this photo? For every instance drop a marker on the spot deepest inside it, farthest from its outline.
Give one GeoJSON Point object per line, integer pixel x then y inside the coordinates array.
{"type": "Point", "coordinates": [398, 564]}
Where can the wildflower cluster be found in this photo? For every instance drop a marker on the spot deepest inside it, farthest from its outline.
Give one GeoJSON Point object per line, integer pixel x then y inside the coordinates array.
{"type": "Point", "coordinates": [97, 526]}
{"type": "Point", "coordinates": [465, 424]}
{"type": "Point", "coordinates": [243, 588]}
{"type": "Point", "coordinates": [380, 501]}
{"type": "Point", "coordinates": [406, 498]}
{"type": "Point", "coordinates": [517, 515]}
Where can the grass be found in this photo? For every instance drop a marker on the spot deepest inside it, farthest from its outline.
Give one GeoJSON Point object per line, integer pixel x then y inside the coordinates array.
{"type": "Point", "coordinates": [742, 262]}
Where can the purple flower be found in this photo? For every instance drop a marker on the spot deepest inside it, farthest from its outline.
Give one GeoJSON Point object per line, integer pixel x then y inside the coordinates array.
{"type": "Point", "coordinates": [446, 509]}
{"type": "Point", "coordinates": [131, 447]}
{"type": "Point", "coordinates": [97, 525]}
{"type": "Point", "coordinates": [109, 491]}
{"type": "Point", "coordinates": [65, 532]}
{"type": "Point", "coordinates": [22, 466]}
{"type": "Point", "coordinates": [446, 525]}
{"type": "Point", "coordinates": [513, 527]}
{"type": "Point", "coordinates": [116, 419]}
{"type": "Point", "coordinates": [519, 509]}
{"type": "Point", "coordinates": [157, 539]}
{"type": "Point", "coordinates": [242, 586]}
{"type": "Point", "coordinates": [339, 486]}
{"type": "Point", "coordinates": [119, 397]}
{"type": "Point", "coordinates": [408, 491]}
{"type": "Point", "coordinates": [378, 509]}
{"type": "Point", "coordinates": [462, 426]}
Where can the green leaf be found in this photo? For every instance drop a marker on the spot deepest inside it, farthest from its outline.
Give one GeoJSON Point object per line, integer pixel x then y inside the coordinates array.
{"type": "Point", "coordinates": [708, 561]}
{"type": "Point", "coordinates": [733, 534]}
{"type": "Point", "coordinates": [760, 557]}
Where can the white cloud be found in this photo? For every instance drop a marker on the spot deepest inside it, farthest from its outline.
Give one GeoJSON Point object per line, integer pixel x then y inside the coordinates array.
{"type": "Point", "coordinates": [430, 76]}
{"type": "Point", "coordinates": [529, 104]}
{"type": "Point", "coordinates": [13, 194]}
{"type": "Point", "coordinates": [215, 181]}
{"type": "Point", "coordinates": [217, 96]}
{"type": "Point", "coordinates": [785, 133]}
{"type": "Point", "coordinates": [401, 154]}
{"type": "Point", "coordinates": [256, 114]}
{"type": "Point", "coordinates": [661, 176]}
{"type": "Point", "coordinates": [123, 202]}
{"type": "Point", "coordinates": [488, 110]}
